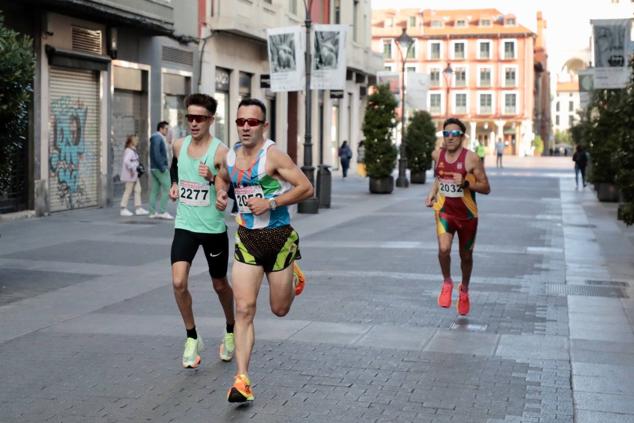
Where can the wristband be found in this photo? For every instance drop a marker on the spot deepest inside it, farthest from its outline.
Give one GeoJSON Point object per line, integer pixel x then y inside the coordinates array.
{"type": "Point", "coordinates": [465, 184]}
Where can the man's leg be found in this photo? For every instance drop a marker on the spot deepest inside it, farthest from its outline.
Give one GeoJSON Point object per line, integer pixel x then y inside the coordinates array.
{"type": "Point", "coordinates": [180, 273]}
{"type": "Point", "coordinates": [445, 237]}
{"type": "Point", "coordinates": [155, 186]}
{"type": "Point", "coordinates": [466, 240]}
{"type": "Point", "coordinates": [281, 289]}
{"type": "Point", "coordinates": [165, 183]}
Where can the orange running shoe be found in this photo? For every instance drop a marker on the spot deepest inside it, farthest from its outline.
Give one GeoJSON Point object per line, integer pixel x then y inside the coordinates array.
{"type": "Point", "coordinates": [463, 302]}
{"type": "Point", "coordinates": [241, 390]}
{"type": "Point", "coordinates": [299, 280]}
{"type": "Point", "coordinates": [444, 299]}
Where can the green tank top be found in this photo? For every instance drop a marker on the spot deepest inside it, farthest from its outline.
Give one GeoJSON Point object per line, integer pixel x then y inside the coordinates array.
{"type": "Point", "coordinates": [197, 210]}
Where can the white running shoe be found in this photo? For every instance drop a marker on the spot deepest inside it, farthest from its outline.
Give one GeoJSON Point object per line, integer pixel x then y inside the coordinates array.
{"type": "Point", "coordinates": [191, 353]}
{"type": "Point", "coordinates": [165, 216]}
{"type": "Point", "coordinates": [227, 347]}
{"type": "Point", "coordinates": [126, 213]}
{"type": "Point", "coordinates": [140, 211]}
{"type": "Point", "coordinates": [154, 215]}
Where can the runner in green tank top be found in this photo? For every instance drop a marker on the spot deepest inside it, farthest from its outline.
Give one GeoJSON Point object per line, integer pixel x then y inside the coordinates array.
{"type": "Point", "coordinates": [197, 159]}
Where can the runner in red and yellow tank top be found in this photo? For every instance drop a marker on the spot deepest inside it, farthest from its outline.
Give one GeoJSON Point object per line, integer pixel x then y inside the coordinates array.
{"type": "Point", "coordinates": [459, 174]}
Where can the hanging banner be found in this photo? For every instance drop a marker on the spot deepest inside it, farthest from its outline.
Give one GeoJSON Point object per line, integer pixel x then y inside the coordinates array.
{"type": "Point", "coordinates": [286, 58]}
{"type": "Point", "coordinates": [611, 52]}
{"type": "Point", "coordinates": [328, 49]}
{"type": "Point", "coordinates": [416, 88]}
{"type": "Point", "coordinates": [392, 79]}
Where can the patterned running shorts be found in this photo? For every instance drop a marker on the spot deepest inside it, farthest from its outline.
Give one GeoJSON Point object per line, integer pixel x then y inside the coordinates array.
{"type": "Point", "coordinates": [272, 248]}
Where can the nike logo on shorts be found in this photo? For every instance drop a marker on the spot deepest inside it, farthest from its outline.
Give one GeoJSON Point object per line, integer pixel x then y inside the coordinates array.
{"type": "Point", "coordinates": [215, 255]}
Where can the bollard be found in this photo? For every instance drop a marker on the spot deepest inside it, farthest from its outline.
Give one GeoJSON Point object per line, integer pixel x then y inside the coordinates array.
{"type": "Point", "coordinates": [324, 185]}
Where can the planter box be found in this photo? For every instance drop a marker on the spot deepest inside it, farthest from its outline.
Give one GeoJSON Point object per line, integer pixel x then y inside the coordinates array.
{"type": "Point", "coordinates": [607, 192]}
{"type": "Point", "coordinates": [418, 177]}
{"type": "Point", "coordinates": [382, 185]}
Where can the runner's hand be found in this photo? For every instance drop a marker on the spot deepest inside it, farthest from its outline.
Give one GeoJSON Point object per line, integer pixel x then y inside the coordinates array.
{"type": "Point", "coordinates": [221, 200]}
{"type": "Point", "coordinates": [205, 172]}
{"type": "Point", "coordinates": [430, 200]}
{"type": "Point", "coordinates": [458, 178]}
{"type": "Point", "coordinates": [258, 206]}
{"type": "Point", "coordinates": [174, 192]}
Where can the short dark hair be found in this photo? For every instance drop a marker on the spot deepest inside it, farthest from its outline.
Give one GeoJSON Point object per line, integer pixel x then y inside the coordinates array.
{"type": "Point", "coordinates": [253, 102]}
{"type": "Point", "coordinates": [203, 100]}
{"type": "Point", "coordinates": [455, 121]}
{"type": "Point", "coordinates": [162, 124]}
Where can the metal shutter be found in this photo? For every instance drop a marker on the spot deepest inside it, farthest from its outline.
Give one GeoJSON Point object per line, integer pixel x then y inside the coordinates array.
{"type": "Point", "coordinates": [73, 139]}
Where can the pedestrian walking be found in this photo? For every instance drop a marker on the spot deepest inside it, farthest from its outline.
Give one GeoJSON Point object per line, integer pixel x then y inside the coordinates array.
{"type": "Point", "coordinates": [266, 182]}
{"type": "Point", "coordinates": [499, 152]}
{"type": "Point", "coordinates": [361, 159]}
{"type": "Point", "coordinates": [159, 170]}
{"type": "Point", "coordinates": [131, 170]}
{"type": "Point", "coordinates": [580, 157]}
{"type": "Point", "coordinates": [197, 158]}
{"type": "Point", "coordinates": [481, 151]}
{"type": "Point", "coordinates": [459, 175]}
{"type": "Point", "coordinates": [345, 154]}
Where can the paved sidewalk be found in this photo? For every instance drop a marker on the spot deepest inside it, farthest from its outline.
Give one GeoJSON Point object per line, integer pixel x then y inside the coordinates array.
{"type": "Point", "coordinates": [89, 330]}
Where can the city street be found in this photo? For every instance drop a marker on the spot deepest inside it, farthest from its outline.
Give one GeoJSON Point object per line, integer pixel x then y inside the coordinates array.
{"type": "Point", "coordinates": [90, 332]}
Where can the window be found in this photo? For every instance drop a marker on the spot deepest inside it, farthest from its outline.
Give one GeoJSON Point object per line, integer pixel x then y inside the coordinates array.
{"type": "Point", "coordinates": [411, 21]}
{"type": "Point", "coordinates": [509, 49]}
{"type": "Point", "coordinates": [485, 22]}
{"type": "Point", "coordinates": [387, 49]}
{"type": "Point", "coordinates": [571, 106]}
{"type": "Point", "coordinates": [268, 1]}
{"type": "Point", "coordinates": [486, 104]}
{"type": "Point", "coordinates": [388, 67]}
{"type": "Point", "coordinates": [355, 21]}
{"type": "Point", "coordinates": [337, 12]}
{"type": "Point", "coordinates": [509, 77]}
{"type": "Point", "coordinates": [485, 50]}
{"type": "Point", "coordinates": [557, 120]}
{"type": "Point", "coordinates": [485, 77]}
{"type": "Point", "coordinates": [411, 53]}
{"type": "Point", "coordinates": [389, 23]}
{"type": "Point", "coordinates": [510, 104]}
{"type": "Point", "coordinates": [434, 103]}
{"type": "Point", "coordinates": [461, 77]}
{"type": "Point", "coordinates": [459, 51]}
{"type": "Point", "coordinates": [292, 6]}
{"type": "Point", "coordinates": [510, 21]}
{"type": "Point", "coordinates": [571, 120]}
{"type": "Point", "coordinates": [461, 103]}
{"type": "Point", "coordinates": [411, 69]}
{"type": "Point", "coordinates": [434, 77]}
{"type": "Point", "coordinates": [557, 106]}
{"type": "Point", "coordinates": [461, 23]}
{"type": "Point", "coordinates": [434, 51]}
{"type": "Point", "coordinates": [436, 24]}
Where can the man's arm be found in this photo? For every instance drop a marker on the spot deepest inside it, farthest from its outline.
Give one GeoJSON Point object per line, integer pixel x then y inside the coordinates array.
{"type": "Point", "coordinates": [479, 182]}
{"type": "Point", "coordinates": [431, 196]}
{"type": "Point", "coordinates": [173, 194]}
{"type": "Point", "coordinates": [221, 181]}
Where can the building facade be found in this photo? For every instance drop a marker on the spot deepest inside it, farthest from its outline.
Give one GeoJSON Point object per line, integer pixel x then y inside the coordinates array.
{"type": "Point", "coordinates": [235, 65]}
{"type": "Point", "coordinates": [480, 67]}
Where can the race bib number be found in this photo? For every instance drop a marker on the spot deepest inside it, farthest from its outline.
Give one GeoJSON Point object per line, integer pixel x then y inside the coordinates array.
{"type": "Point", "coordinates": [243, 194]}
{"type": "Point", "coordinates": [449, 188]}
{"type": "Point", "coordinates": [194, 194]}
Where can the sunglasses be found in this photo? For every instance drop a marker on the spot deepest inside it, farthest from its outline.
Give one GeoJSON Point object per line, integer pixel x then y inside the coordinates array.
{"type": "Point", "coordinates": [197, 118]}
{"type": "Point", "coordinates": [251, 121]}
{"type": "Point", "coordinates": [454, 133]}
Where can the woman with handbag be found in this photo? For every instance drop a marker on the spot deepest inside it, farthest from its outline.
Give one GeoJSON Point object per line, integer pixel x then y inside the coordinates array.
{"type": "Point", "coordinates": [131, 169]}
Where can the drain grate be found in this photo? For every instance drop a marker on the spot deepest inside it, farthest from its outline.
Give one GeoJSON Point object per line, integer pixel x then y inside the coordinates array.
{"type": "Point", "coordinates": [586, 291]}
{"type": "Point", "coordinates": [607, 283]}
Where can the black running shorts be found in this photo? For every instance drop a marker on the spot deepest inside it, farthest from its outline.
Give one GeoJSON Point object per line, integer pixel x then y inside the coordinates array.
{"type": "Point", "coordinates": [216, 248]}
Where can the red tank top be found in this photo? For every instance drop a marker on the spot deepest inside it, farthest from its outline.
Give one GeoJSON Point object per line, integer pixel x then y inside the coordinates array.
{"type": "Point", "coordinates": [452, 199]}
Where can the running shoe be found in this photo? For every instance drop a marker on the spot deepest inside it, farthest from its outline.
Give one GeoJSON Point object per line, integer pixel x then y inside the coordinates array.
{"type": "Point", "coordinates": [299, 280]}
{"type": "Point", "coordinates": [191, 354]}
{"type": "Point", "coordinates": [227, 347]}
{"type": "Point", "coordinates": [444, 299]}
{"type": "Point", "coordinates": [165, 216]}
{"type": "Point", "coordinates": [241, 390]}
{"type": "Point", "coordinates": [140, 211]}
{"type": "Point", "coordinates": [126, 213]}
{"type": "Point", "coordinates": [463, 302]}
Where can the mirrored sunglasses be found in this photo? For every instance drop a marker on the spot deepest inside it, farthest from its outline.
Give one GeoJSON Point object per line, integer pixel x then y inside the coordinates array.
{"type": "Point", "coordinates": [454, 133]}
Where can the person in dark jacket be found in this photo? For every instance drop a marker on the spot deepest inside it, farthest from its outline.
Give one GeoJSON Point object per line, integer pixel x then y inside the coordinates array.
{"type": "Point", "coordinates": [581, 161]}
{"type": "Point", "coordinates": [160, 175]}
{"type": "Point", "coordinates": [345, 154]}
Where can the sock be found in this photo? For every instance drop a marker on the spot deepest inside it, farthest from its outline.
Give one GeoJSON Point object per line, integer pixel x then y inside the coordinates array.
{"type": "Point", "coordinates": [191, 333]}
{"type": "Point", "coordinates": [230, 327]}
{"type": "Point", "coordinates": [464, 288]}
{"type": "Point", "coordinates": [449, 280]}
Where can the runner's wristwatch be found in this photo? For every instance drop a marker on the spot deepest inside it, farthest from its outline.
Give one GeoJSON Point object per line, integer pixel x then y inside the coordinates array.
{"type": "Point", "coordinates": [272, 204]}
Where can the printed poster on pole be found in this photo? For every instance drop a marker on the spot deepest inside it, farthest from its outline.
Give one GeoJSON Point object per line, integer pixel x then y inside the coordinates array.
{"type": "Point", "coordinates": [328, 49]}
{"type": "Point", "coordinates": [286, 48]}
{"type": "Point", "coordinates": [611, 51]}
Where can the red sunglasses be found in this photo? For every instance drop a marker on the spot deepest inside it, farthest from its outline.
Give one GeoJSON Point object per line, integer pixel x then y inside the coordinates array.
{"type": "Point", "coordinates": [197, 118]}
{"type": "Point", "coordinates": [251, 121]}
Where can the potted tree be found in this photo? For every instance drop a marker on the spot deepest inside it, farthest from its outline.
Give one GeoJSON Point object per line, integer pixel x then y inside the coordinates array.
{"type": "Point", "coordinates": [380, 153]}
{"type": "Point", "coordinates": [624, 157]}
{"type": "Point", "coordinates": [420, 140]}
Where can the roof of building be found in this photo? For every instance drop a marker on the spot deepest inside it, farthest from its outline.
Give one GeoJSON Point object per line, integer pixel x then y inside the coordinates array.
{"type": "Point", "coordinates": [568, 86]}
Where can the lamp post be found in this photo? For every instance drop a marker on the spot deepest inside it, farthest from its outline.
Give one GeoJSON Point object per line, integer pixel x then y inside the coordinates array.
{"type": "Point", "coordinates": [404, 43]}
{"type": "Point", "coordinates": [310, 205]}
{"type": "Point", "coordinates": [447, 74]}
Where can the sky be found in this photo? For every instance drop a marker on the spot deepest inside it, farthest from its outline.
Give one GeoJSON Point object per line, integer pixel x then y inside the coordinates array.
{"type": "Point", "coordinates": [568, 21]}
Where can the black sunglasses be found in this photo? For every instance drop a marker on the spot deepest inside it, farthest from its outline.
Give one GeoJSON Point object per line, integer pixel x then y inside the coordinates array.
{"type": "Point", "coordinates": [197, 118]}
{"type": "Point", "coordinates": [251, 121]}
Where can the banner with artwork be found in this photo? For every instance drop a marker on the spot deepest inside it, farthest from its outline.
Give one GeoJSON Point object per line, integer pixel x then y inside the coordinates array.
{"type": "Point", "coordinates": [286, 48]}
{"type": "Point", "coordinates": [328, 49]}
{"type": "Point", "coordinates": [611, 52]}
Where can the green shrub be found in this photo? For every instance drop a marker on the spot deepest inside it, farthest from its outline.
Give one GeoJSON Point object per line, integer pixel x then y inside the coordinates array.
{"type": "Point", "coordinates": [378, 124]}
{"type": "Point", "coordinates": [420, 140]}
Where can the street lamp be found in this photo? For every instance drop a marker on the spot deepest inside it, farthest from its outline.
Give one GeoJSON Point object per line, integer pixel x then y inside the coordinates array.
{"type": "Point", "coordinates": [447, 72]}
{"type": "Point", "coordinates": [404, 43]}
{"type": "Point", "coordinates": [310, 205]}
